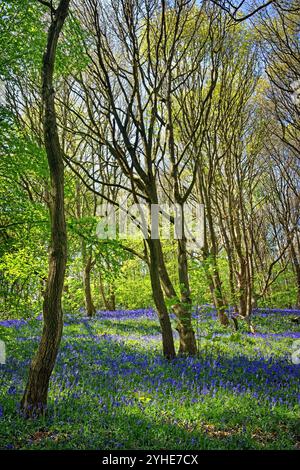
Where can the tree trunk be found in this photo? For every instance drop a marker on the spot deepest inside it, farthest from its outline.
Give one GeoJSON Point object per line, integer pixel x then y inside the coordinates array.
{"type": "Point", "coordinates": [89, 305]}
{"type": "Point", "coordinates": [163, 315]}
{"type": "Point", "coordinates": [296, 265]}
{"type": "Point", "coordinates": [215, 284]}
{"type": "Point", "coordinates": [218, 299]}
{"type": "Point", "coordinates": [245, 293]}
{"type": "Point", "coordinates": [188, 343]}
{"type": "Point", "coordinates": [34, 401]}
{"type": "Point", "coordinates": [211, 265]}
{"type": "Point", "coordinates": [109, 300]}
{"type": "Point", "coordinates": [112, 298]}
{"type": "Point", "coordinates": [102, 292]}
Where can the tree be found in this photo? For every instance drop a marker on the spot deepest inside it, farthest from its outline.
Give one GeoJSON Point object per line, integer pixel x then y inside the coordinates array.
{"type": "Point", "coordinates": [34, 400]}
{"type": "Point", "coordinates": [140, 73]}
{"type": "Point", "coordinates": [241, 10]}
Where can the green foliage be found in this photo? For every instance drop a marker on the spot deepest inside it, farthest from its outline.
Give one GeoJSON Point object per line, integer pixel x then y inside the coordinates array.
{"type": "Point", "coordinates": [71, 57]}
{"type": "Point", "coordinates": [23, 273]}
{"type": "Point", "coordinates": [24, 220]}
{"type": "Point", "coordinates": [133, 287]}
{"type": "Point", "coordinates": [22, 26]}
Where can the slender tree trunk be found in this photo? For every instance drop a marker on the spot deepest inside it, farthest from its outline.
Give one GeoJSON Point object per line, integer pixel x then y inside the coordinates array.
{"type": "Point", "coordinates": [109, 300]}
{"type": "Point", "coordinates": [218, 298]}
{"type": "Point", "coordinates": [163, 314]}
{"type": "Point", "coordinates": [232, 286]}
{"type": "Point", "coordinates": [87, 265]}
{"type": "Point", "coordinates": [210, 256]}
{"type": "Point", "coordinates": [112, 297]}
{"type": "Point", "coordinates": [34, 400]}
{"type": "Point", "coordinates": [245, 293]}
{"type": "Point", "coordinates": [89, 305]}
{"type": "Point", "coordinates": [188, 343]}
{"type": "Point", "coordinates": [212, 270]}
{"type": "Point", "coordinates": [242, 290]}
{"type": "Point", "coordinates": [183, 310]}
{"type": "Point", "coordinates": [296, 264]}
{"type": "Point", "coordinates": [183, 317]}
{"type": "Point", "coordinates": [102, 292]}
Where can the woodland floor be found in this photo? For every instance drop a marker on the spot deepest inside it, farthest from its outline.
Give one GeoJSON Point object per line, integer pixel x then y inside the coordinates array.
{"type": "Point", "coordinates": [112, 389]}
